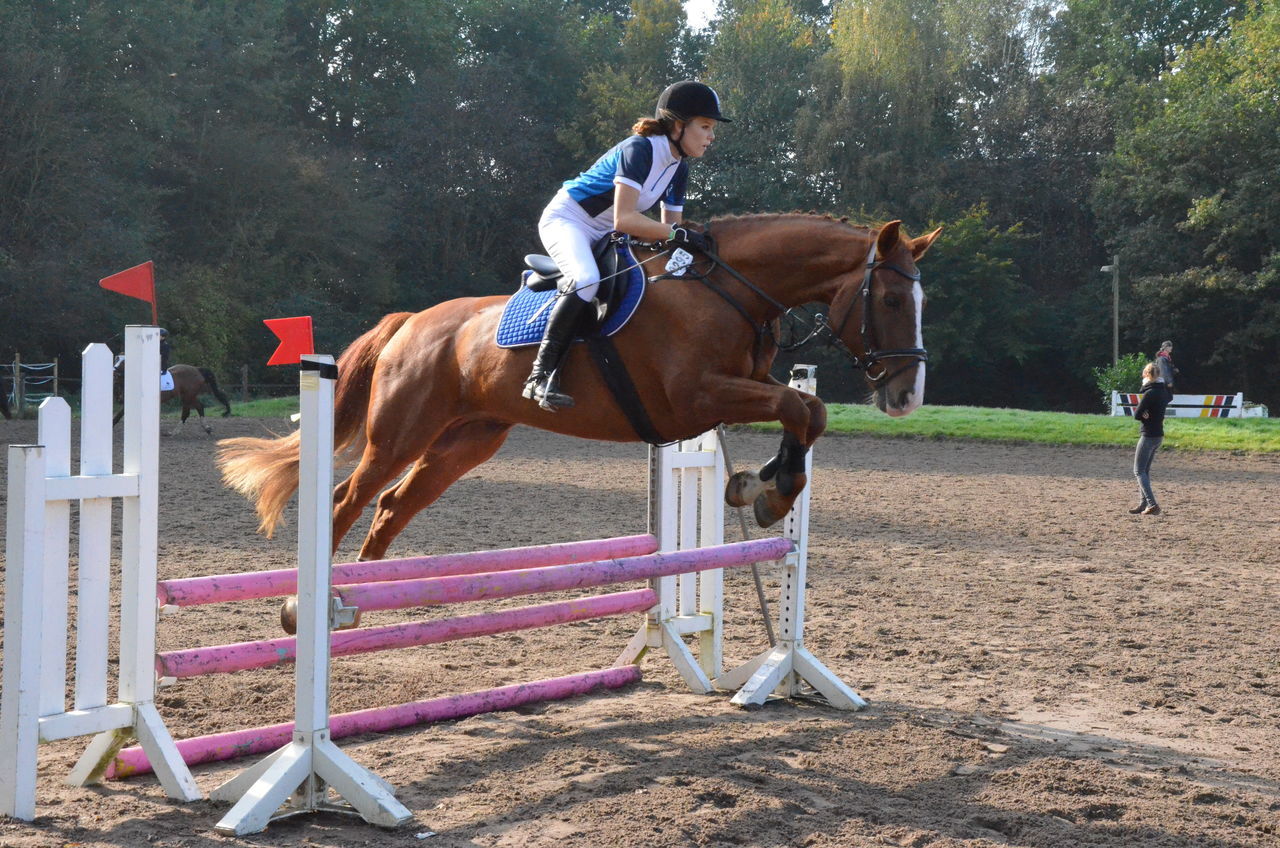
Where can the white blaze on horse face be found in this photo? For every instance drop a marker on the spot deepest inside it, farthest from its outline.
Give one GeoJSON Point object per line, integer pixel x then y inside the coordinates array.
{"type": "Point", "coordinates": [917, 393]}
{"type": "Point", "coordinates": [916, 397]}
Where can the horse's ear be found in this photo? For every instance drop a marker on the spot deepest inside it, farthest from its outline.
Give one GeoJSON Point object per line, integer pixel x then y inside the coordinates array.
{"type": "Point", "coordinates": [888, 238]}
{"type": "Point", "coordinates": [922, 244]}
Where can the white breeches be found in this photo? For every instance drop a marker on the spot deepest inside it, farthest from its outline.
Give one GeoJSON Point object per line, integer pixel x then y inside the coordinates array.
{"type": "Point", "coordinates": [569, 244]}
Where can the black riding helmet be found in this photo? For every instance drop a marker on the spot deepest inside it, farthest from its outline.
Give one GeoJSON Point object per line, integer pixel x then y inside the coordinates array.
{"type": "Point", "coordinates": [687, 100]}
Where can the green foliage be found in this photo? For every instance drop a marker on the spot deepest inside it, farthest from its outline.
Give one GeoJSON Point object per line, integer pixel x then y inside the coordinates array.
{"type": "Point", "coordinates": [1189, 197]}
{"type": "Point", "coordinates": [613, 95]}
{"type": "Point", "coordinates": [1017, 426]}
{"type": "Point", "coordinates": [754, 164]}
{"type": "Point", "coordinates": [1122, 376]}
{"type": "Point", "coordinates": [980, 318]}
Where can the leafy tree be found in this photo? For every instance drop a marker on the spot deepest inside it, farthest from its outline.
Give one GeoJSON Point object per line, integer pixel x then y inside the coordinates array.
{"type": "Point", "coordinates": [646, 55]}
{"type": "Point", "coordinates": [1189, 199]}
{"type": "Point", "coordinates": [981, 322]}
{"type": "Point", "coordinates": [760, 64]}
{"type": "Point", "coordinates": [1113, 44]}
{"type": "Point", "coordinates": [879, 128]}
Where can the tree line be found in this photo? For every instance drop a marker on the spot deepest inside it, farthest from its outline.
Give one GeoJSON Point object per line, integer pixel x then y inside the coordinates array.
{"type": "Point", "coordinates": [344, 160]}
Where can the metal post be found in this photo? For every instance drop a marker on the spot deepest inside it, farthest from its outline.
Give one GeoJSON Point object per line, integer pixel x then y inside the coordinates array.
{"type": "Point", "coordinates": [1114, 268]}
{"type": "Point", "coordinates": [1115, 310]}
{"type": "Point", "coordinates": [19, 386]}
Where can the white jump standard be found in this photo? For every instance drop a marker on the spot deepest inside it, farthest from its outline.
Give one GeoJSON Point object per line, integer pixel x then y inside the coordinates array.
{"type": "Point", "coordinates": [41, 487]}
{"type": "Point", "coordinates": [297, 777]}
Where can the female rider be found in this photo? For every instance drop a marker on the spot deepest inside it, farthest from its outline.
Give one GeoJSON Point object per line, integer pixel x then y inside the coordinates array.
{"type": "Point", "coordinates": [612, 195]}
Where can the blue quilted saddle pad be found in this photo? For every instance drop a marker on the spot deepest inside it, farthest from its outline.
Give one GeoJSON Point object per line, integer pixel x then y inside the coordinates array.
{"type": "Point", "coordinates": [524, 318]}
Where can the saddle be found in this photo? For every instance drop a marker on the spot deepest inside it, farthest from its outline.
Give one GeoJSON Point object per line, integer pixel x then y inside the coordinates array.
{"type": "Point", "coordinates": [546, 275]}
{"type": "Point", "coordinates": [525, 316]}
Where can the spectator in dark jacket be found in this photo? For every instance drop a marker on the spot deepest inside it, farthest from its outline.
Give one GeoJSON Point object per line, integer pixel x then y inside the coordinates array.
{"type": "Point", "coordinates": [1164, 362]}
{"type": "Point", "coordinates": [1150, 414]}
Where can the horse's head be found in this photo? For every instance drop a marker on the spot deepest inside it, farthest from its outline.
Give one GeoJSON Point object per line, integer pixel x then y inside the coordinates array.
{"type": "Point", "coordinates": [877, 315]}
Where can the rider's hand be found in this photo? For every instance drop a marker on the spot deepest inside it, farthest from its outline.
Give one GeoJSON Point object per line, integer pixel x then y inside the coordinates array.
{"type": "Point", "coordinates": [682, 236]}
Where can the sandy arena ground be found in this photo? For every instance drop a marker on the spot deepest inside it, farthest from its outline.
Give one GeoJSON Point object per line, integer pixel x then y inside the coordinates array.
{"type": "Point", "coordinates": [1043, 668]}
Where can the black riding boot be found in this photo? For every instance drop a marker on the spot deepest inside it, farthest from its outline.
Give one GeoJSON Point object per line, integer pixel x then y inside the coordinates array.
{"type": "Point", "coordinates": [543, 384]}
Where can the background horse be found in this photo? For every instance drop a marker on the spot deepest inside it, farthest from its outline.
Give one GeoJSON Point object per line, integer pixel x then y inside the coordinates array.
{"type": "Point", "coordinates": [433, 393]}
{"type": "Point", "coordinates": [189, 382]}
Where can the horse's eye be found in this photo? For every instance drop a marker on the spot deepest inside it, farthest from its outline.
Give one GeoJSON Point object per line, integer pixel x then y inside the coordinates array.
{"type": "Point", "coordinates": [892, 301]}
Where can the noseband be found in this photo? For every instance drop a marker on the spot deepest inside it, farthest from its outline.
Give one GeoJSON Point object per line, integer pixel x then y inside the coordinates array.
{"type": "Point", "coordinates": [872, 356]}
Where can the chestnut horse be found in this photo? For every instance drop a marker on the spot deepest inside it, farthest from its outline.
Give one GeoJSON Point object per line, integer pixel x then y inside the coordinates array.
{"type": "Point", "coordinates": [431, 391]}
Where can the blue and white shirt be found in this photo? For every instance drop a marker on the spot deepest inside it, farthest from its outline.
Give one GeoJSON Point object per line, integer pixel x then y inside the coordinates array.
{"type": "Point", "coordinates": [645, 163]}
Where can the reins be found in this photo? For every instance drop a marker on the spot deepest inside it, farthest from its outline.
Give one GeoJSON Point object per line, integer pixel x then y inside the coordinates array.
{"type": "Point", "coordinates": [822, 325]}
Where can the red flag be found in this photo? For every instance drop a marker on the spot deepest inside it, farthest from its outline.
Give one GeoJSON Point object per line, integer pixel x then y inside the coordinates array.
{"type": "Point", "coordinates": [138, 281]}
{"type": "Point", "coordinates": [295, 339]}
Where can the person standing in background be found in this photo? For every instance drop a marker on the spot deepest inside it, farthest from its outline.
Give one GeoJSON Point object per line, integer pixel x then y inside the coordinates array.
{"type": "Point", "coordinates": [1164, 361]}
{"type": "Point", "coordinates": [165, 350]}
{"type": "Point", "coordinates": [1150, 414]}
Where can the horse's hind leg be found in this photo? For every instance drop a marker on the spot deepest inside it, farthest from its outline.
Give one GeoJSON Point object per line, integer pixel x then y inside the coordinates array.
{"type": "Point", "coordinates": [460, 449]}
{"type": "Point", "coordinates": [377, 468]}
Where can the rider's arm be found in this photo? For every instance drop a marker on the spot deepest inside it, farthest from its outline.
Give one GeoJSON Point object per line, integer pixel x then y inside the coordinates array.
{"type": "Point", "coordinates": [628, 219]}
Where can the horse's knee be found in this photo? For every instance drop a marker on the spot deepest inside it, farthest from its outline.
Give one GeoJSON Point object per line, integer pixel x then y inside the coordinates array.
{"type": "Point", "coordinates": [817, 420]}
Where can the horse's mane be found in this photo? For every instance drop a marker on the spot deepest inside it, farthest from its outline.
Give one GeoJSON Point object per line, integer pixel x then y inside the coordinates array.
{"type": "Point", "coordinates": [772, 217]}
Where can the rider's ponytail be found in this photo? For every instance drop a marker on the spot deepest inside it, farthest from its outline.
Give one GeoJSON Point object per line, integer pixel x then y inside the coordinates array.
{"type": "Point", "coordinates": [655, 126]}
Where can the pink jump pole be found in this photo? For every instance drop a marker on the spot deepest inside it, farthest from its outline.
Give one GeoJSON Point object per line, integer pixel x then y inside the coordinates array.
{"type": "Point", "coordinates": [195, 662]}
{"type": "Point", "coordinates": [195, 591]}
{"type": "Point", "coordinates": [507, 584]}
{"type": "Point", "coordinates": [240, 743]}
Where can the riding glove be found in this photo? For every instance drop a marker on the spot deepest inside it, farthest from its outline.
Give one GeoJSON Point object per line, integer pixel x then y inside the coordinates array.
{"type": "Point", "coordinates": [685, 237]}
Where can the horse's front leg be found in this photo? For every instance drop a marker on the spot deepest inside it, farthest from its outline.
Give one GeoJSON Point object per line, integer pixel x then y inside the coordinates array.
{"type": "Point", "coordinates": [774, 488]}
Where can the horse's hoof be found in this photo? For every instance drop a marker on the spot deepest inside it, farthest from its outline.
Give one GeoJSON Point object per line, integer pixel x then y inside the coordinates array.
{"type": "Point", "coordinates": [743, 488]}
{"type": "Point", "coordinates": [767, 512]}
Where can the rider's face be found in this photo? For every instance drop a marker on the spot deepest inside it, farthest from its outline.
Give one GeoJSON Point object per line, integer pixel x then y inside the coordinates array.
{"type": "Point", "coordinates": [698, 135]}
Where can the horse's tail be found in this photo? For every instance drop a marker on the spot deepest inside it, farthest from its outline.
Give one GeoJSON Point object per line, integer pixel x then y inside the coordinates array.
{"type": "Point", "coordinates": [212, 382]}
{"type": "Point", "coordinates": [355, 380]}
{"type": "Point", "coordinates": [266, 470]}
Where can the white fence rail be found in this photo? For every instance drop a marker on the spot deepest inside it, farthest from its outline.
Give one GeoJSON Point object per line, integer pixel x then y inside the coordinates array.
{"type": "Point", "coordinates": [1193, 406]}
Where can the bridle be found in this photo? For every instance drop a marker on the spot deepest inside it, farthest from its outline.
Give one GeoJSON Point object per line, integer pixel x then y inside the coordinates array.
{"type": "Point", "coordinates": [872, 357]}
{"type": "Point", "coordinates": [822, 325]}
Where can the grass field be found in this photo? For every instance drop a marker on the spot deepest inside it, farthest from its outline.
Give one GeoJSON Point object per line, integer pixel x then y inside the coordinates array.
{"type": "Point", "coordinates": [1253, 435]}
